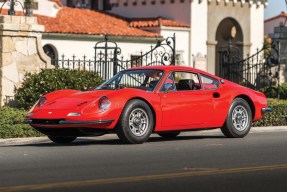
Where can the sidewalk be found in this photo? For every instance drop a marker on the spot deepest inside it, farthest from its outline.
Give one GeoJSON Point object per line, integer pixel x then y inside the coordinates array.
{"type": "Point", "coordinates": [33, 140]}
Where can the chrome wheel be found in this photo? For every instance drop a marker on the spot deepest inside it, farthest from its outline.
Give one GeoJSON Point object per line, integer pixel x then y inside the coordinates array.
{"type": "Point", "coordinates": [240, 118]}
{"type": "Point", "coordinates": [138, 122]}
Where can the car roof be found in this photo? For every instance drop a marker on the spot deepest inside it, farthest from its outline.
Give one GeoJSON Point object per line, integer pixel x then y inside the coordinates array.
{"type": "Point", "coordinates": [168, 68]}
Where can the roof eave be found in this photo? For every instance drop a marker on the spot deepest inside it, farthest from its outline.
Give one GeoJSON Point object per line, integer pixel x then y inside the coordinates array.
{"type": "Point", "coordinates": [87, 37]}
{"type": "Point", "coordinates": [169, 28]}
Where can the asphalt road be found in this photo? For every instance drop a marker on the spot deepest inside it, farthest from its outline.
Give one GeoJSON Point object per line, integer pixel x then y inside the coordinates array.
{"type": "Point", "coordinates": [194, 161]}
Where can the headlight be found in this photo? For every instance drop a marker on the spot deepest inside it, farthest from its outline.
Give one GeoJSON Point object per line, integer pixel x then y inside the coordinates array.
{"type": "Point", "coordinates": [41, 101]}
{"type": "Point", "coordinates": [99, 105]}
{"type": "Point", "coordinates": [104, 103]}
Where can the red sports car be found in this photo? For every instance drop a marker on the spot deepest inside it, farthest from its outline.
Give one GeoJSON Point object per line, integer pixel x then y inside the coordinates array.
{"type": "Point", "coordinates": [137, 102]}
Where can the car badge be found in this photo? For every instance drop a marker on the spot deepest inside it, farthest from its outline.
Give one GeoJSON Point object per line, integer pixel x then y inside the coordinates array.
{"type": "Point", "coordinates": [49, 113]}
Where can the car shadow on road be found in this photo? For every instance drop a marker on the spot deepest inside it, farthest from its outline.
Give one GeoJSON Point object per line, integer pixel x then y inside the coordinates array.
{"type": "Point", "coordinates": [114, 141]}
{"type": "Point", "coordinates": [183, 138]}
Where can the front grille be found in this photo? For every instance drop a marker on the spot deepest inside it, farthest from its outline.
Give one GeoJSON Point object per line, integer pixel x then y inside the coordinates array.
{"type": "Point", "coordinates": [47, 121]}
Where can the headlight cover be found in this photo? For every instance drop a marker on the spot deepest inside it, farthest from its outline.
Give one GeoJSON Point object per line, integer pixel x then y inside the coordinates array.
{"type": "Point", "coordinates": [41, 101]}
{"type": "Point", "coordinates": [104, 103]}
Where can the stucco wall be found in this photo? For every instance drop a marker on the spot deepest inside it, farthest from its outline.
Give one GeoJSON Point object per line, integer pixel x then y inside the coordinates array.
{"type": "Point", "coordinates": [250, 19]}
{"type": "Point", "coordinates": [199, 26]}
{"type": "Point", "coordinates": [256, 27]}
{"type": "Point", "coordinates": [269, 25]}
{"type": "Point", "coordinates": [179, 11]}
{"type": "Point", "coordinates": [182, 43]}
{"type": "Point", "coordinates": [79, 47]}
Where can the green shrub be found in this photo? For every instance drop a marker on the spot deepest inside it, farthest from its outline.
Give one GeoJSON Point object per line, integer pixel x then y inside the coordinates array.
{"type": "Point", "coordinates": [11, 125]}
{"type": "Point", "coordinates": [272, 91]}
{"type": "Point", "coordinates": [49, 80]}
{"type": "Point", "coordinates": [278, 116]}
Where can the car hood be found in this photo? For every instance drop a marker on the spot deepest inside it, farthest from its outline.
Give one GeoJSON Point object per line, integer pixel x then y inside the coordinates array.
{"type": "Point", "coordinates": [76, 100]}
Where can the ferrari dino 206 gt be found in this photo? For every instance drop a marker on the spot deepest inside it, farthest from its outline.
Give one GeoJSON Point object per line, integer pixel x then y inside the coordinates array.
{"type": "Point", "coordinates": [137, 102]}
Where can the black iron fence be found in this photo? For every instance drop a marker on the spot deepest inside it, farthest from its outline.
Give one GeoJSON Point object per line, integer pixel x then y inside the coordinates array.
{"type": "Point", "coordinates": [259, 71]}
{"type": "Point", "coordinates": [108, 61]}
{"type": "Point", "coordinates": [27, 7]}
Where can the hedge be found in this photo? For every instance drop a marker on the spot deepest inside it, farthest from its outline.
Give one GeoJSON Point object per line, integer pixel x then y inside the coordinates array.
{"type": "Point", "coordinates": [48, 80]}
{"type": "Point", "coordinates": [11, 125]}
{"type": "Point", "coordinates": [278, 116]}
{"type": "Point", "coordinates": [272, 91]}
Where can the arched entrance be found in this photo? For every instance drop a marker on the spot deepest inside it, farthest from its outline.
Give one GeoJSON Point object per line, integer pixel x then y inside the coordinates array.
{"type": "Point", "coordinates": [52, 52]}
{"type": "Point", "coordinates": [229, 48]}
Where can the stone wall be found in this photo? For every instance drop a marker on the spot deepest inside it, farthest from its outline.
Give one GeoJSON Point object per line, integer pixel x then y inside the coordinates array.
{"type": "Point", "coordinates": [21, 52]}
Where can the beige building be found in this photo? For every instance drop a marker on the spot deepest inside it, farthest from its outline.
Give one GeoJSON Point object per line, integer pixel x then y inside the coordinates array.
{"type": "Point", "coordinates": [201, 27]}
{"type": "Point", "coordinates": [276, 21]}
{"type": "Point", "coordinates": [213, 23]}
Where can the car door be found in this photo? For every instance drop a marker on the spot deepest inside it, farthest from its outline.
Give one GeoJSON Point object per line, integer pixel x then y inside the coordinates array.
{"type": "Point", "coordinates": [185, 104]}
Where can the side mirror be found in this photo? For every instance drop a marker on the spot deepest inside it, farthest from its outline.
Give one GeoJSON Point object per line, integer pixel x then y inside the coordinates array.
{"type": "Point", "coordinates": [168, 87]}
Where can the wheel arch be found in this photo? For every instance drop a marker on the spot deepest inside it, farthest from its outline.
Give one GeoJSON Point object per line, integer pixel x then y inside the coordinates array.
{"type": "Point", "coordinates": [250, 103]}
{"type": "Point", "coordinates": [150, 106]}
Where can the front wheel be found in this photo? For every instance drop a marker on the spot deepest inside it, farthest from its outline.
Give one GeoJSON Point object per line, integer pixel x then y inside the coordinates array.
{"type": "Point", "coordinates": [62, 139]}
{"type": "Point", "coordinates": [136, 122]}
{"type": "Point", "coordinates": [239, 119]}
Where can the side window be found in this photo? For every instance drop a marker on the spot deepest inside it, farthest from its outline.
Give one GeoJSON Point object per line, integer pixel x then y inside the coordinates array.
{"type": "Point", "coordinates": [209, 83]}
{"type": "Point", "coordinates": [169, 83]}
{"type": "Point", "coordinates": [182, 81]}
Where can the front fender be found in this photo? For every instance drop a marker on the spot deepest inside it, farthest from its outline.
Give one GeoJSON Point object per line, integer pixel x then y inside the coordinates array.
{"type": "Point", "coordinates": [121, 97]}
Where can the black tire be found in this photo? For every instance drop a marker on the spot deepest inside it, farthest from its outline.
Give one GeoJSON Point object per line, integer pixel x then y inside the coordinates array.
{"type": "Point", "coordinates": [169, 135]}
{"type": "Point", "coordinates": [136, 114]}
{"type": "Point", "coordinates": [62, 139]}
{"type": "Point", "coordinates": [239, 119]}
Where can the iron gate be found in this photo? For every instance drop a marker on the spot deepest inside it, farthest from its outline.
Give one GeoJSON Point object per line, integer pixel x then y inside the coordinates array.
{"type": "Point", "coordinates": [259, 71]}
{"type": "Point", "coordinates": [108, 60]}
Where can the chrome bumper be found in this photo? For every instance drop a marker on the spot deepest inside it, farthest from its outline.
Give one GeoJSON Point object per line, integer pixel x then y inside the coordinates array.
{"type": "Point", "coordinates": [266, 110]}
{"type": "Point", "coordinates": [27, 121]}
{"type": "Point", "coordinates": [64, 122]}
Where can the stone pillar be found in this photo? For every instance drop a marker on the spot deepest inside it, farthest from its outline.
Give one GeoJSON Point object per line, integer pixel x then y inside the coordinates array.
{"type": "Point", "coordinates": [21, 52]}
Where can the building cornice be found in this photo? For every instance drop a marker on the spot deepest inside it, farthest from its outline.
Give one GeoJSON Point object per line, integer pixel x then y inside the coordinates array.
{"type": "Point", "coordinates": [242, 2]}
{"type": "Point", "coordinates": [125, 3]}
{"type": "Point", "coordinates": [130, 39]}
{"type": "Point", "coordinates": [175, 28]}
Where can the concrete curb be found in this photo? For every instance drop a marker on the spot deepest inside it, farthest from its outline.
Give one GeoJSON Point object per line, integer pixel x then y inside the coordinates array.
{"type": "Point", "coordinates": [33, 140]}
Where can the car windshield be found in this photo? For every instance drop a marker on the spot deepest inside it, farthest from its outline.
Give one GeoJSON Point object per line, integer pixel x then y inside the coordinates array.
{"type": "Point", "coordinates": [145, 79]}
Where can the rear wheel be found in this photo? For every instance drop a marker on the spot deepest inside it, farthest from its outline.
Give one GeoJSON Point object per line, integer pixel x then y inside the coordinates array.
{"type": "Point", "coordinates": [136, 122]}
{"type": "Point", "coordinates": [239, 119]}
{"type": "Point", "coordinates": [62, 139]}
{"type": "Point", "coordinates": [169, 134]}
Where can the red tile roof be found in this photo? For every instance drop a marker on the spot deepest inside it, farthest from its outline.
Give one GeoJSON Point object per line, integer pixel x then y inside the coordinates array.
{"type": "Point", "coordinates": [5, 12]}
{"type": "Point", "coordinates": [84, 21]}
{"type": "Point", "coordinates": [282, 14]}
{"type": "Point", "coordinates": [156, 22]}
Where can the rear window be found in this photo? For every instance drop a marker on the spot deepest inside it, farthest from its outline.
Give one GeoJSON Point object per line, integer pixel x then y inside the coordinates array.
{"type": "Point", "coordinates": [209, 83]}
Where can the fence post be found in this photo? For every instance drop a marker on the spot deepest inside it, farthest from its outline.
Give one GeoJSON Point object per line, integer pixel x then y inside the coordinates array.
{"type": "Point", "coordinates": [115, 60]}
{"type": "Point", "coordinates": [279, 62]}
{"type": "Point", "coordinates": [173, 50]}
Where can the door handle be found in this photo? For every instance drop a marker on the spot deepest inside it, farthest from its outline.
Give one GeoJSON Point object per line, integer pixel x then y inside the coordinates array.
{"type": "Point", "coordinates": [216, 95]}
